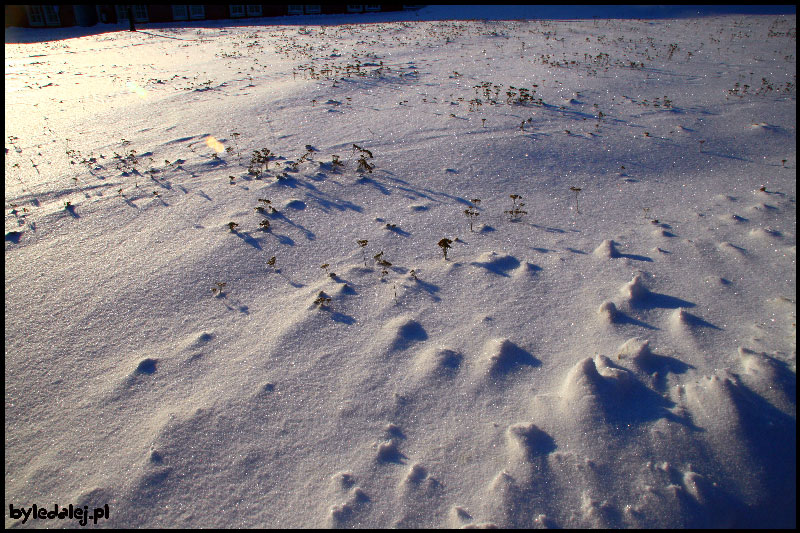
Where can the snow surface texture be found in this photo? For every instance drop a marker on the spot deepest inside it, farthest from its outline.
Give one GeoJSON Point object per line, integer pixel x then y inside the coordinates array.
{"type": "Point", "coordinates": [622, 355]}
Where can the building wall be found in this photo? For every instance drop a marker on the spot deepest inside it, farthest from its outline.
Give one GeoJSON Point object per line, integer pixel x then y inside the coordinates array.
{"type": "Point", "coordinates": [89, 14]}
{"type": "Point", "coordinates": [66, 12]}
{"type": "Point", "coordinates": [16, 16]}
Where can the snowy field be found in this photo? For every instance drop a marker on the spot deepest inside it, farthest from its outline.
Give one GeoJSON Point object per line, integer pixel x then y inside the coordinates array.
{"type": "Point", "coordinates": [228, 302]}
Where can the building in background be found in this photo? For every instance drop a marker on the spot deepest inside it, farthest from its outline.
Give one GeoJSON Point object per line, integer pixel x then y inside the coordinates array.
{"type": "Point", "coordinates": [65, 15]}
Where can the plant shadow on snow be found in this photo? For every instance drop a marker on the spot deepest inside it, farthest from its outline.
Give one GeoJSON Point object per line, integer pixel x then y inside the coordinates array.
{"type": "Point", "coordinates": [234, 306]}
{"type": "Point", "coordinates": [415, 191]}
{"type": "Point", "coordinates": [430, 288]}
{"type": "Point", "coordinates": [240, 308]}
{"type": "Point", "coordinates": [308, 233]}
{"type": "Point", "coordinates": [295, 284]}
{"type": "Point", "coordinates": [283, 239]}
{"type": "Point", "coordinates": [199, 193]}
{"type": "Point", "coordinates": [340, 205]}
{"type": "Point", "coordinates": [364, 180]}
{"type": "Point", "coordinates": [550, 229]}
{"type": "Point", "coordinates": [252, 241]}
{"type": "Point", "coordinates": [398, 231]}
{"type": "Point", "coordinates": [71, 210]}
{"type": "Point", "coordinates": [337, 316]}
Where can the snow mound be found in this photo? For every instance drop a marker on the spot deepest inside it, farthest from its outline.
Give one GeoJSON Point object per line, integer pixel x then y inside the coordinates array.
{"type": "Point", "coordinates": [501, 357]}
{"type": "Point", "coordinates": [634, 291]}
{"type": "Point", "coordinates": [608, 312]}
{"type": "Point", "coordinates": [764, 234]}
{"type": "Point", "coordinates": [341, 514]}
{"type": "Point", "coordinates": [401, 333]}
{"type": "Point", "coordinates": [638, 351]}
{"type": "Point", "coordinates": [500, 264]}
{"type": "Point", "coordinates": [526, 441]}
{"type": "Point", "coordinates": [294, 203]}
{"type": "Point", "coordinates": [682, 321]}
{"type": "Point", "coordinates": [389, 452]}
{"type": "Point", "coordinates": [606, 250]}
{"type": "Point", "coordinates": [593, 389]}
{"type": "Point", "coordinates": [415, 475]}
{"type": "Point", "coordinates": [750, 433]}
{"type": "Point", "coordinates": [762, 208]}
{"type": "Point", "coordinates": [769, 377]}
{"type": "Point", "coordinates": [438, 362]}
{"type": "Point", "coordinates": [732, 218]}
{"type": "Point", "coordinates": [723, 199]}
{"type": "Point", "coordinates": [731, 249]}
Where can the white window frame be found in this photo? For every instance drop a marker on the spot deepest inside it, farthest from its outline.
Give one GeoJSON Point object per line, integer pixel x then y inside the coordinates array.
{"type": "Point", "coordinates": [295, 9]}
{"type": "Point", "coordinates": [43, 15]}
{"type": "Point", "coordinates": [35, 15]}
{"type": "Point", "coordinates": [355, 8]}
{"type": "Point", "coordinates": [254, 10]}
{"type": "Point", "coordinates": [372, 8]}
{"type": "Point", "coordinates": [313, 9]}
{"type": "Point", "coordinates": [51, 17]}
